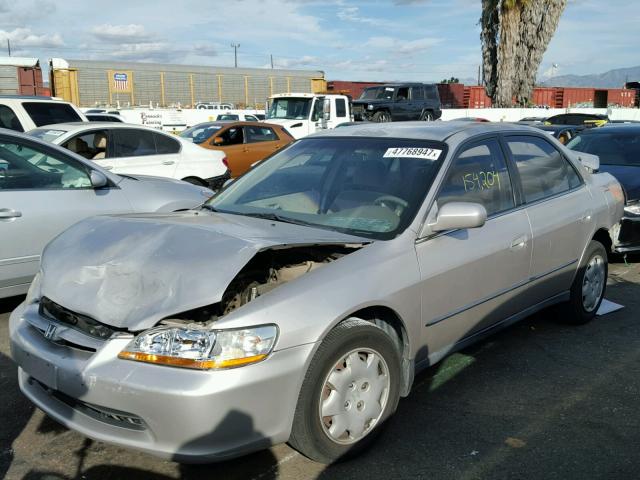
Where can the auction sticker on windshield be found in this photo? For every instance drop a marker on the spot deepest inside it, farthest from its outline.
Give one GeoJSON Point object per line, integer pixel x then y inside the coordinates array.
{"type": "Point", "coordinates": [404, 152]}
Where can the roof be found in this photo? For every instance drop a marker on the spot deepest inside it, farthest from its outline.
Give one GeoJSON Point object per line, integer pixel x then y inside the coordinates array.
{"type": "Point", "coordinates": [438, 131]}
{"type": "Point", "coordinates": [20, 61]}
{"type": "Point", "coordinates": [77, 126]}
{"type": "Point", "coordinates": [29, 97]}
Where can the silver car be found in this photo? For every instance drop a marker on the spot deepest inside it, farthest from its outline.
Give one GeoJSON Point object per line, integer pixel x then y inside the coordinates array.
{"type": "Point", "coordinates": [45, 189]}
{"type": "Point", "coordinates": [297, 304]}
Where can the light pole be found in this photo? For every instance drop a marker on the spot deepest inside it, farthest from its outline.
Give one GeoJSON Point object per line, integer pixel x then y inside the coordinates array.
{"type": "Point", "coordinates": [235, 47]}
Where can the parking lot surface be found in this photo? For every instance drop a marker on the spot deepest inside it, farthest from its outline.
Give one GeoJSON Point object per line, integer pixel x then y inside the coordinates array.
{"type": "Point", "coordinates": [538, 400]}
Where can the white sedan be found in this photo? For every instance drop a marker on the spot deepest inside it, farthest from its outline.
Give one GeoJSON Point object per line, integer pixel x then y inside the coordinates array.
{"type": "Point", "coordinates": [123, 148]}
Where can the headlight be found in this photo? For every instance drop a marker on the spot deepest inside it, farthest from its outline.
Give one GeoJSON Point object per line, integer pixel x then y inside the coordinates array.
{"type": "Point", "coordinates": [204, 349]}
{"type": "Point", "coordinates": [33, 295]}
{"type": "Point", "coordinates": [369, 107]}
{"type": "Point", "coordinates": [632, 209]}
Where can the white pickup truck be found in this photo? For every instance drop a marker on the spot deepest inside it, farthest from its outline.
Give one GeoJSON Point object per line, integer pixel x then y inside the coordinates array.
{"type": "Point", "coordinates": [305, 113]}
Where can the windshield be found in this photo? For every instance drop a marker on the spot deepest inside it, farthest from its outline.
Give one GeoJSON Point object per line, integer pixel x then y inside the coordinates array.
{"type": "Point", "coordinates": [200, 133]}
{"type": "Point", "coordinates": [377, 93]}
{"type": "Point", "coordinates": [615, 148]}
{"type": "Point", "coordinates": [290, 108]}
{"type": "Point", "coordinates": [371, 187]}
{"type": "Point", "coordinates": [46, 134]}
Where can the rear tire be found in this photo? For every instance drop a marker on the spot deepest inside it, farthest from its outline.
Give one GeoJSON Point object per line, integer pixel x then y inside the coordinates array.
{"type": "Point", "coordinates": [426, 116]}
{"type": "Point", "coordinates": [588, 287]}
{"type": "Point", "coordinates": [195, 181]}
{"type": "Point", "coordinates": [351, 387]}
{"type": "Point", "coordinates": [381, 117]}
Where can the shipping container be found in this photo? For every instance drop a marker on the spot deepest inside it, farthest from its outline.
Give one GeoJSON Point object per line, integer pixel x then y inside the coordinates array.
{"type": "Point", "coordinates": [20, 76]}
{"type": "Point", "coordinates": [544, 97]}
{"type": "Point", "coordinates": [451, 95]}
{"type": "Point", "coordinates": [570, 97]}
{"type": "Point", "coordinates": [621, 97]}
{"type": "Point", "coordinates": [476, 97]}
{"type": "Point", "coordinates": [92, 83]}
{"type": "Point", "coordinates": [353, 89]}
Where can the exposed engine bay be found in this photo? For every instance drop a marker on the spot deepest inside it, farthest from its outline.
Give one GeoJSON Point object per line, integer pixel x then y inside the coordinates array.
{"type": "Point", "coordinates": [265, 271]}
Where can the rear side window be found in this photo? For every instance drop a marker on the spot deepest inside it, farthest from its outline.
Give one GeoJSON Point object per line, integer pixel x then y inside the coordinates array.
{"type": "Point", "coordinates": [341, 107]}
{"type": "Point", "coordinates": [417, 93]}
{"type": "Point", "coordinates": [165, 144]}
{"type": "Point", "coordinates": [46, 113]}
{"type": "Point", "coordinates": [259, 134]}
{"type": "Point", "coordinates": [133, 143]}
{"type": "Point", "coordinates": [8, 119]}
{"type": "Point", "coordinates": [479, 174]}
{"type": "Point", "coordinates": [543, 170]}
{"type": "Point", "coordinates": [430, 92]}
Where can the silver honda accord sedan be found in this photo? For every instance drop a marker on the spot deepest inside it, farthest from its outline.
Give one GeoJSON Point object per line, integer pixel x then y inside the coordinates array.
{"type": "Point", "coordinates": [298, 303]}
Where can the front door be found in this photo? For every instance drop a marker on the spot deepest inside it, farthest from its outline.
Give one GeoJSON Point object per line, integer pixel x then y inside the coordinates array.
{"type": "Point", "coordinates": [233, 147]}
{"type": "Point", "coordinates": [42, 192]}
{"type": "Point", "coordinates": [558, 206]}
{"type": "Point", "coordinates": [473, 278]}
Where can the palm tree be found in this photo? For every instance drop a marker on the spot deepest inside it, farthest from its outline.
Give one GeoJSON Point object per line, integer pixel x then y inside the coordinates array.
{"type": "Point", "coordinates": [515, 34]}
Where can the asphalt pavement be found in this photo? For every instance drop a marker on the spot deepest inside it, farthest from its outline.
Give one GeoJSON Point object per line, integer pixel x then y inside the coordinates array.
{"type": "Point", "coordinates": [536, 401]}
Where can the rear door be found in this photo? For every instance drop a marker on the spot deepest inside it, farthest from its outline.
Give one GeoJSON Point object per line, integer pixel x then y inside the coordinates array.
{"type": "Point", "coordinates": [134, 151]}
{"type": "Point", "coordinates": [42, 192]}
{"type": "Point", "coordinates": [558, 205]}
{"type": "Point", "coordinates": [474, 278]}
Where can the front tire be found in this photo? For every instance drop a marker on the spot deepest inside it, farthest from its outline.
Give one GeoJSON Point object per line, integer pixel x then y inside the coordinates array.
{"type": "Point", "coordinates": [381, 117]}
{"type": "Point", "coordinates": [352, 386]}
{"type": "Point", "coordinates": [588, 287]}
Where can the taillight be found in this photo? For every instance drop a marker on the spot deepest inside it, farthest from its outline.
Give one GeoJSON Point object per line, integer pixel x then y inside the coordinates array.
{"type": "Point", "coordinates": [226, 163]}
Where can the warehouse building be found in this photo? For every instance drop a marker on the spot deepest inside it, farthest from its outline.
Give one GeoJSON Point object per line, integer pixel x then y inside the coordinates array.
{"type": "Point", "coordinates": [90, 83]}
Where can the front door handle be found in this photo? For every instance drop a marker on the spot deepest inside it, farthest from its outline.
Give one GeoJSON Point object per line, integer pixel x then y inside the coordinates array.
{"type": "Point", "coordinates": [8, 214]}
{"type": "Point", "coordinates": [585, 219]}
{"type": "Point", "coordinates": [108, 167]}
{"type": "Point", "coordinates": [168, 162]}
{"type": "Point", "coordinates": [519, 242]}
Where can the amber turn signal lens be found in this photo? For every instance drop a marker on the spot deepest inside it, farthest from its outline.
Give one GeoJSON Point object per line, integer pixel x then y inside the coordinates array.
{"type": "Point", "coordinates": [189, 363]}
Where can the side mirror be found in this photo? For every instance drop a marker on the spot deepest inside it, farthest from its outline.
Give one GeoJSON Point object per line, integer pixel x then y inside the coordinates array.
{"type": "Point", "coordinates": [218, 141]}
{"type": "Point", "coordinates": [459, 215]}
{"type": "Point", "coordinates": [592, 162]}
{"type": "Point", "coordinates": [98, 179]}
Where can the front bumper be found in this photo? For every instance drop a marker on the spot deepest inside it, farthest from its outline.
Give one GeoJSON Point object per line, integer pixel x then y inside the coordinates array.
{"type": "Point", "coordinates": [628, 238]}
{"type": "Point", "coordinates": [180, 414]}
{"type": "Point", "coordinates": [215, 183]}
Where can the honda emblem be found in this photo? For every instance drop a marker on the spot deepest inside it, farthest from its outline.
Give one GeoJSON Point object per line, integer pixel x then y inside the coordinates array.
{"type": "Point", "coordinates": [50, 332]}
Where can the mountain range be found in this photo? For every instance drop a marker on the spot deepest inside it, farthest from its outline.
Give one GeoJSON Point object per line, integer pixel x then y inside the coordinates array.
{"type": "Point", "coordinates": [611, 79]}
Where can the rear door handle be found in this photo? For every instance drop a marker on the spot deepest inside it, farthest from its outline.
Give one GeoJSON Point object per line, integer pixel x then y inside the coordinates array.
{"type": "Point", "coordinates": [8, 214]}
{"type": "Point", "coordinates": [519, 242]}
{"type": "Point", "coordinates": [168, 162]}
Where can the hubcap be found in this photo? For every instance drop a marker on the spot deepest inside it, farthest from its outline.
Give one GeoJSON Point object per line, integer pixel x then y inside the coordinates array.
{"type": "Point", "coordinates": [354, 395]}
{"type": "Point", "coordinates": [593, 283]}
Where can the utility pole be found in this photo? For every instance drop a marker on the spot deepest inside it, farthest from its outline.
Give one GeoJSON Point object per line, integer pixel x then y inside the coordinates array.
{"type": "Point", "coordinates": [271, 61]}
{"type": "Point", "coordinates": [235, 47]}
{"type": "Point", "coordinates": [9, 46]}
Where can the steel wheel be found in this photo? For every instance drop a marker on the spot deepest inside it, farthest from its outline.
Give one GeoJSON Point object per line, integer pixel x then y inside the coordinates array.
{"type": "Point", "coordinates": [593, 283]}
{"type": "Point", "coordinates": [354, 396]}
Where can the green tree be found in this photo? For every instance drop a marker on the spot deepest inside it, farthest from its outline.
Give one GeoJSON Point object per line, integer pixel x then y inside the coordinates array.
{"type": "Point", "coordinates": [515, 34]}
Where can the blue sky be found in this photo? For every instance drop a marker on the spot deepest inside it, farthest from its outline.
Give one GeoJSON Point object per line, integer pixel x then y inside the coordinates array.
{"type": "Point", "coordinates": [347, 39]}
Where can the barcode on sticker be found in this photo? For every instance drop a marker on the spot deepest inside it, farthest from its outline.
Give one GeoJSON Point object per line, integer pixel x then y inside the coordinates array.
{"type": "Point", "coordinates": [403, 152]}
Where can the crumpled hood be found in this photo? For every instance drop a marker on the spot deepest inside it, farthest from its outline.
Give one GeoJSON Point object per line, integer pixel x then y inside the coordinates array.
{"type": "Point", "coordinates": [131, 271]}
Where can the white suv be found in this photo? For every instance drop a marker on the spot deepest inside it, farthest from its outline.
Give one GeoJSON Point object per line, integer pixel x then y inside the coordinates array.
{"type": "Point", "coordinates": [23, 113]}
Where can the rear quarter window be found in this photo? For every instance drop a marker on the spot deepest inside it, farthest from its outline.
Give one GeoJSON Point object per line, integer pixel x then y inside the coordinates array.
{"type": "Point", "coordinates": [46, 113]}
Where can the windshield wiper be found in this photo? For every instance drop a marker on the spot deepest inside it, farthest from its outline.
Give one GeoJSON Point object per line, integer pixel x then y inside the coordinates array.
{"type": "Point", "coordinates": [277, 218]}
{"type": "Point", "coordinates": [208, 207]}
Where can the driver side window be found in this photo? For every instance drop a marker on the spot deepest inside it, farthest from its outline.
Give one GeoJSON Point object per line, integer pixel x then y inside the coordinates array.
{"type": "Point", "coordinates": [479, 174]}
{"type": "Point", "coordinates": [232, 136]}
{"type": "Point", "coordinates": [25, 168]}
